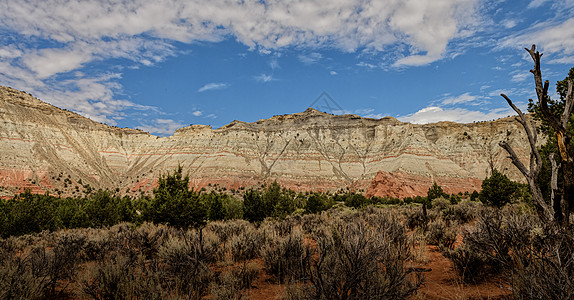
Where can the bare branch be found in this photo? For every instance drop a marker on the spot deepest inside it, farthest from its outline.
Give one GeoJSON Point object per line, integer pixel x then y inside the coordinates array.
{"type": "Point", "coordinates": [545, 211]}
{"type": "Point", "coordinates": [515, 160]}
{"type": "Point", "coordinates": [530, 133]}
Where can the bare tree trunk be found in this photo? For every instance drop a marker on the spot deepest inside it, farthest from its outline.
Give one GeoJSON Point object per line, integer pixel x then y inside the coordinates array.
{"type": "Point", "coordinates": [561, 205]}
{"type": "Point", "coordinates": [560, 127]}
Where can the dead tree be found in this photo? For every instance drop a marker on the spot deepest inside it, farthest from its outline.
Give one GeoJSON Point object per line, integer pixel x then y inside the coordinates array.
{"type": "Point", "coordinates": [561, 205]}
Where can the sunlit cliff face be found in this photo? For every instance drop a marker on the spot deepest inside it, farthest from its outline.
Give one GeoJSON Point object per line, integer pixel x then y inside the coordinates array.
{"type": "Point", "coordinates": [45, 148]}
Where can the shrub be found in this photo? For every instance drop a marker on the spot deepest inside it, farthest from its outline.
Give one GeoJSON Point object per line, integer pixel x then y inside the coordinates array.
{"type": "Point", "coordinates": [121, 278]}
{"type": "Point", "coordinates": [356, 262]}
{"type": "Point", "coordinates": [18, 280]}
{"type": "Point", "coordinates": [253, 206]}
{"type": "Point", "coordinates": [470, 264]}
{"type": "Point", "coordinates": [497, 190]}
{"type": "Point", "coordinates": [175, 204]}
{"type": "Point", "coordinates": [355, 200]}
{"type": "Point", "coordinates": [28, 213]}
{"type": "Point", "coordinates": [247, 244]}
{"type": "Point", "coordinates": [215, 203]}
{"type": "Point", "coordinates": [316, 203]}
{"type": "Point", "coordinates": [546, 270]}
{"type": "Point", "coordinates": [61, 262]}
{"type": "Point", "coordinates": [226, 230]}
{"type": "Point", "coordinates": [227, 286]}
{"type": "Point", "coordinates": [461, 213]}
{"type": "Point", "coordinates": [415, 217]}
{"type": "Point", "coordinates": [287, 258]}
{"type": "Point", "coordinates": [246, 273]}
{"type": "Point", "coordinates": [434, 192]}
{"type": "Point", "coordinates": [440, 203]}
{"type": "Point", "coordinates": [146, 238]}
{"type": "Point", "coordinates": [440, 234]}
{"type": "Point", "coordinates": [186, 262]}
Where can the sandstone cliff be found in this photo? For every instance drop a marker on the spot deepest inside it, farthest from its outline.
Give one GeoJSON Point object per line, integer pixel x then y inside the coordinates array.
{"type": "Point", "coordinates": [48, 149]}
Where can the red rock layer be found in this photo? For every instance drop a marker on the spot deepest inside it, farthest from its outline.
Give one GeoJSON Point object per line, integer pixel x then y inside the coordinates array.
{"type": "Point", "coordinates": [400, 185]}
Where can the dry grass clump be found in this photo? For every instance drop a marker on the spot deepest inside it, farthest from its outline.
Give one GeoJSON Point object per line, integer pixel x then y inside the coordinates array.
{"type": "Point", "coordinates": [420, 253]}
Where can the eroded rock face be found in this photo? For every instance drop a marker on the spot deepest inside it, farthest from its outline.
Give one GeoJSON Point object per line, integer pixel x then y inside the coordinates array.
{"type": "Point", "coordinates": [46, 148]}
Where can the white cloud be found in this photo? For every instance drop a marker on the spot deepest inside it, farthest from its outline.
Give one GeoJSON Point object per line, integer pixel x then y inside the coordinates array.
{"type": "Point", "coordinates": [536, 3]}
{"type": "Point", "coordinates": [430, 25]}
{"type": "Point", "coordinates": [162, 126]}
{"type": "Point", "coordinates": [333, 73]}
{"type": "Point", "coordinates": [92, 97]}
{"type": "Point", "coordinates": [364, 112]}
{"type": "Point", "coordinates": [197, 113]}
{"type": "Point", "coordinates": [213, 86]}
{"type": "Point", "coordinates": [509, 23]}
{"type": "Point", "coordinates": [366, 65]}
{"type": "Point", "coordinates": [81, 32]}
{"type": "Point", "coordinates": [416, 60]}
{"type": "Point", "coordinates": [466, 98]}
{"type": "Point", "coordinates": [555, 39]}
{"type": "Point", "coordinates": [10, 52]}
{"type": "Point", "coordinates": [424, 26]}
{"type": "Point", "coordinates": [310, 58]}
{"type": "Point", "coordinates": [264, 78]}
{"type": "Point", "coordinates": [48, 62]}
{"type": "Point", "coordinates": [434, 114]}
{"type": "Point", "coordinates": [274, 64]}
{"type": "Point", "coordinates": [375, 116]}
{"type": "Point", "coordinates": [512, 92]}
{"type": "Point", "coordinates": [520, 76]}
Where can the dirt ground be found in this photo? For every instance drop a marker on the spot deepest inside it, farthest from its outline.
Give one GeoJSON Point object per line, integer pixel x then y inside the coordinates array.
{"type": "Point", "coordinates": [442, 282]}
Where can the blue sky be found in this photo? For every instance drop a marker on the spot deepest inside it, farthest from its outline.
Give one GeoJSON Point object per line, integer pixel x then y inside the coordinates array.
{"type": "Point", "coordinates": [159, 65]}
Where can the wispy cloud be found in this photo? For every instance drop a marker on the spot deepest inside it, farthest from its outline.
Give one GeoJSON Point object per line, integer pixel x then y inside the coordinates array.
{"type": "Point", "coordinates": [213, 86]}
{"type": "Point", "coordinates": [264, 78]}
{"type": "Point", "coordinates": [274, 64]}
{"type": "Point", "coordinates": [310, 58]}
{"type": "Point", "coordinates": [197, 113]}
{"type": "Point", "coordinates": [366, 65]}
{"type": "Point", "coordinates": [509, 23]}
{"type": "Point", "coordinates": [520, 76]}
{"type": "Point", "coordinates": [554, 38]}
{"type": "Point", "coordinates": [465, 98]}
{"type": "Point", "coordinates": [363, 112]}
{"type": "Point", "coordinates": [536, 3]}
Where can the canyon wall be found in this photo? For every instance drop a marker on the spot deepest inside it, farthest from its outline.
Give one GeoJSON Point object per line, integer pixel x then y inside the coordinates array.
{"type": "Point", "coordinates": [45, 148]}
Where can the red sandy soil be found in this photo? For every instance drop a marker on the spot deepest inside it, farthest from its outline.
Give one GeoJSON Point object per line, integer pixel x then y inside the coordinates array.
{"type": "Point", "coordinates": [440, 282]}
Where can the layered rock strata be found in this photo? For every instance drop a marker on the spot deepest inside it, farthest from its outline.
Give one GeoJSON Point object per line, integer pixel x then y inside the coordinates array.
{"type": "Point", "coordinates": [45, 148]}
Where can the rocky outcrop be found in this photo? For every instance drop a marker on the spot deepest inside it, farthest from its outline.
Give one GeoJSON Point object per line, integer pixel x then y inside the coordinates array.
{"type": "Point", "coordinates": [49, 149]}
